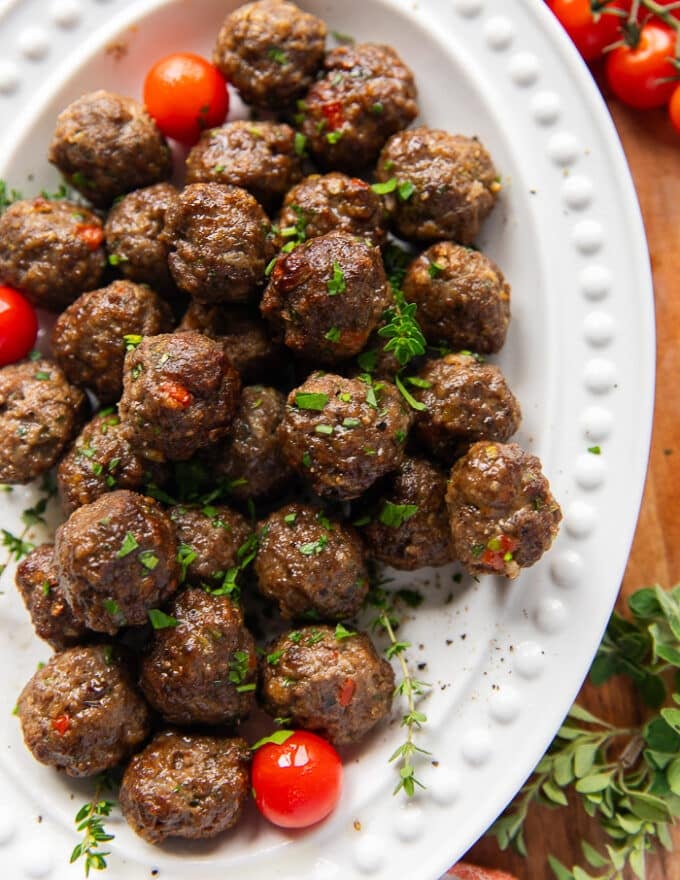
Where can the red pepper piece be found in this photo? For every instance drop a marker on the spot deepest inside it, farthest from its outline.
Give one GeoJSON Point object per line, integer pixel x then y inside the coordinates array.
{"type": "Point", "coordinates": [176, 395]}
{"type": "Point", "coordinates": [346, 692]}
{"type": "Point", "coordinates": [333, 114]}
{"type": "Point", "coordinates": [61, 724]}
{"type": "Point", "coordinates": [92, 235]}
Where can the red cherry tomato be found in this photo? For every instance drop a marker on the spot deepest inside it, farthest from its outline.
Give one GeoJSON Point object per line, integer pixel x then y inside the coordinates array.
{"type": "Point", "coordinates": [636, 75]}
{"type": "Point", "coordinates": [185, 94]}
{"type": "Point", "coordinates": [674, 109]}
{"type": "Point", "coordinates": [18, 326]}
{"type": "Point", "coordinates": [591, 32]}
{"type": "Point", "coordinates": [465, 871]}
{"type": "Point", "coordinates": [297, 783]}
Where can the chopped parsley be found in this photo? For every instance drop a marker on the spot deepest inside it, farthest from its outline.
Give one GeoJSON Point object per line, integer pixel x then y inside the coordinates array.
{"type": "Point", "coordinates": [277, 55]}
{"type": "Point", "coordinates": [334, 136]}
{"type": "Point", "coordinates": [148, 559]}
{"type": "Point", "coordinates": [341, 632]}
{"type": "Point", "coordinates": [336, 283]}
{"type": "Point", "coordinates": [129, 544]}
{"type": "Point", "coordinates": [395, 515]}
{"type": "Point", "coordinates": [160, 620]}
{"type": "Point", "coordinates": [300, 144]}
{"type": "Point", "coordinates": [311, 400]}
{"type": "Point", "coordinates": [327, 430]}
{"type": "Point", "coordinates": [313, 548]}
{"type": "Point", "coordinates": [333, 335]}
{"type": "Point", "coordinates": [435, 269]}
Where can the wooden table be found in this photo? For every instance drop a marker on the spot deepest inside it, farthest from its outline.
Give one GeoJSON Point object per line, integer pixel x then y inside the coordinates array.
{"type": "Point", "coordinates": [653, 152]}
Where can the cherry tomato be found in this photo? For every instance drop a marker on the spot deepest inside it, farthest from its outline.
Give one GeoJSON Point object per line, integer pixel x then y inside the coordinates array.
{"type": "Point", "coordinates": [465, 871]}
{"type": "Point", "coordinates": [674, 109]}
{"type": "Point", "coordinates": [297, 783]}
{"type": "Point", "coordinates": [185, 94]}
{"type": "Point", "coordinates": [18, 326]}
{"type": "Point", "coordinates": [591, 32]}
{"type": "Point", "coordinates": [635, 75]}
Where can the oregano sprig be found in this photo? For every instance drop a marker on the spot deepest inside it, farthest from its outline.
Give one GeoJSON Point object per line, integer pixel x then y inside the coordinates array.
{"type": "Point", "coordinates": [90, 822]}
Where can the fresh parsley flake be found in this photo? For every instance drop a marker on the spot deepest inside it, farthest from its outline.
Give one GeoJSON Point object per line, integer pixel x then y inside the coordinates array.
{"type": "Point", "coordinates": [160, 620]}
{"type": "Point", "coordinates": [336, 283]}
{"type": "Point", "coordinates": [313, 548]}
{"type": "Point", "coordinates": [395, 515]}
{"type": "Point", "coordinates": [129, 544]}
{"type": "Point", "coordinates": [311, 400]}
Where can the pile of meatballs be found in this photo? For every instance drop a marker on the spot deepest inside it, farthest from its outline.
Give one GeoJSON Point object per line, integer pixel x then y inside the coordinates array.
{"type": "Point", "coordinates": [232, 327]}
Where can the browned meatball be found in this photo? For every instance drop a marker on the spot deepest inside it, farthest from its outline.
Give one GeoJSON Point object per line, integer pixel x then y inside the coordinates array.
{"type": "Point", "coordinates": [91, 337]}
{"type": "Point", "coordinates": [465, 400]}
{"type": "Point", "coordinates": [309, 563]}
{"type": "Point", "coordinates": [39, 414]}
{"type": "Point", "coordinates": [251, 458]}
{"type": "Point", "coordinates": [337, 685]}
{"type": "Point", "coordinates": [503, 515]}
{"type": "Point", "coordinates": [270, 51]}
{"type": "Point", "coordinates": [101, 460]}
{"type": "Point", "coordinates": [463, 299]}
{"type": "Point", "coordinates": [116, 559]}
{"type": "Point", "coordinates": [184, 785]}
{"type": "Point", "coordinates": [323, 203]}
{"type": "Point", "coordinates": [366, 95]}
{"type": "Point", "coordinates": [257, 156]}
{"type": "Point", "coordinates": [203, 670]}
{"type": "Point", "coordinates": [409, 523]}
{"type": "Point", "coordinates": [133, 230]}
{"type": "Point", "coordinates": [211, 537]}
{"type": "Point", "coordinates": [106, 145]}
{"type": "Point", "coordinates": [51, 251]}
{"type": "Point", "coordinates": [445, 184]}
{"type": "Point", "coordinates": [326, 296]}
{"type": "Point", "coordinates": [218, 243]}
{"type": "Point", "coordinates": [342, 434]}
{"type": "Point", "coordinates": [81, 711]}
{"type": "Point", "coordinates": [38, 582]}
{"type": "Point", "coordinates": [180, 395]}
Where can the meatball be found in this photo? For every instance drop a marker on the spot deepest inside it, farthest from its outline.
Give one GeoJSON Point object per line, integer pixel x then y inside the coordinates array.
{"type": "Point", "coordinates": [218, 244]}
{"type": "Point", "coordinates": [309, 563]}
{"type": "Point", "coordinates": [101, 460]}
{"type": "Point", "coordinates": [270, 51]}
{"type": "Point", "coordinates": [323, 203]}
{"type": "Point", "coordinates": [116, 559]}
{"type": "Point", "coordinates": [503, 515]}
{"type": "Point", "coordinates": [343, 434]}
{"type": "Point", "coordinates": [81, 711]}
{"type": "Point", "coordinates": [212, 537]}
{"type": "Point", "coordinates": [251, 459]}
{"type": "Point", "coordinates": [245, 337]}
{"type": "Point", "coordinates": [51, 251]}
{"type": "Point", "coordinates": [451, 184]}
{"type": "Point", "coordinates": [462, 297]}
{"type": "Point", "coordinates": [258, 156]}
{"type": "Point", "coordinates": [90, 338]}
{"type": "Point", "coordinates": [37, 581]}
{"type": "Point", "coordinates": [180, 395]}
{"type": "Point", "coordinates": [133, 230]}
{"type": "Point", "coordinates": [203, 670]}
{"type": "Point", "coordinates": [366, 95]}
{"type": "Point", "coordinates": [106, 145]}
{"type": "Point", "coordinates": [184, 785]}
{"type": "Point", "coordinates": [326, 296]}
{"type": "Point", "coordinates": [39, 414]}
{"type": "Point", "coordinates": [466, 400]}
{"type": "Point", "coordinates": [409, 525]}
{"type": "Point", "coordinates": [337, 685]}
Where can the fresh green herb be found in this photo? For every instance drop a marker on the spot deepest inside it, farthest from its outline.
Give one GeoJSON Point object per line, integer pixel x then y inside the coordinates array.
{"type": "Point", "coordinates": [270, 266]}
{"type": "Point", "coordinates": [412, 598]}
{"type": "Point", "coordinates": [136, 371]}
{"type": "Point", "coordinates": [43, 375]}
{"type": "Point", "coordinates": [16, 546]}
{"type": "Point", "coordinates": [408, 397]}
{"type": "Point", "coordinates": [295, 636]}
{"type": "Point", "coordinates": [57, 195]}
{"type": "Point", "coordinates": [300, 144]}
{"type": "Point", "coordinates": [116, 259]}
{"type": "Point", "coordinates": [160, 620]}
{"type": "Point", "coordinates": [111, 607]}
{"type": "Point", "coordinates": [326, 430]}
{"type": "Point", "coordinates": [8, 197]}
{"type": "Point", "coordinates": [595, 450]}
{"type": "Point", "coordinates": [336, 283]}
{"type": "Point", "coordinates": [131, 341]}
{"type": "Point", "coordinates": [342, 633]}
{"type": "Point", "coordinates": [333, 334]}
{"type": "Point", "coordinates": [278, 738]}
{"type": "Point", "coordinates": [345, 397]}
{"type": "Point", "coordinates": [434, 269]}
{"type": "Point", "coordinates": [395, 515]}
{"type": "Point", "coordinates": [34, 355]}
{"type": "Point", "coordinates": [314, 637]}
{"type": "Point", "coordinates": [46, 589]}
{"type": "Point", "coordinates": [80, 181]}
{"type": "Point", "coordinates": [313, 548]}
{"type": "Point", "coordinates": [277, 55]}
{"type": "Point", "coordinates": [149, 559]}
{"type": "Point", "coordinates": [238, 667]}
{"type": "Point", "coordinates": [377, 108]}
{"type": "Point", "coordinates": [273, 658]}
{"type": "Point", "coordinates": [334, 136]}
{"type": "Point", "coordinates": [306, 459]}
{"type": "Point", "coordinates": [345, 39]}
{"type": "Point", "coordinates": [34, 516]}
{"type": "Point", "coordinates": [405, 190]}
{"type": "Point", "coordinates": [311, 400]}
{"type": "Point", "coordinates": [96, 468]}
{"type": "Point", "coordinates": [290, 518]}
{"type": "Point", "coordinates": [90, 823]}
{"type": "Point", "coordinates": [246, 688]}
{"type": "Point", "coordinates": [185, 556]}
{"type": "Point", "coordinates": [382, 189]}
{"type": "Point", "coordinates": [351, 422]}
{"type": "Point", "coordinates": [219, 169]}
{"type": "Point", "coordinates": [368, 360]}
{"type": "Point", "coordinates": [245, 554]}
{"type": "Point", "coordinates": [129, 544]}
{"type": "Point", "coordinates": [417, 382]}
{"type": "Point", "coordinates": [362, 521]}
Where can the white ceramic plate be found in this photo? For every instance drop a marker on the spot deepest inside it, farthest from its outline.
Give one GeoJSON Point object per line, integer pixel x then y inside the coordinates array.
{"type": "Point", "coordinates": [506, 660]}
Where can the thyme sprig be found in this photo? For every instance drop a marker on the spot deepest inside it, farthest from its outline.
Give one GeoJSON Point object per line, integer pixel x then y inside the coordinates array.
{"type": "Point", "coordinates": [17, 546]}
{"type": "Point", "coordinates": [90, 822]}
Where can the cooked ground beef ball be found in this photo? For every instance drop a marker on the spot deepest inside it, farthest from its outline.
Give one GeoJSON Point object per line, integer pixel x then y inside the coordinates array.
{"type": "Point", "coordinates": [90, 338]}
{"type": "Point", "coordinates": [51, 251]}
{"type": "Point", "coordinates": [323, 203]}
{"type": "Point", "coordinates": [503, 515]}
{"type": "Point", "coordinates": [214, 534]}
{"type": "Point", "coordinates": [251, 458]}
{"type": "Point", "coordinates": [106, 145]}
{"type": "Point", "coordinates": [409, 525]}
{"type": "Point", "coordinates": [366, 95]}
{"type": "Point", "coordinates": [101, 460]}
{"type": "Point", "coordinates": [133, 230]}
{"type": "Point", "coordinates": [116, 560]}
{"type": "Point", "coordinates": [39, 414]}
{"type": "Point", "coordinates": [202, 670]}
{"type": "Point", "coordinates": [466, 401]}
{"type": "Point", "coordinates": [81, 711]}
{"type": "Point", "coordinates": [463, 299]}
{"type": "Point", "coordinates": [218, 243]}
{"type": "Point", "coordinates": [326, 296]}
{"type": "Point", "coordinates": [51, 615]}
{"type": "Point", "coordinates": [309, 563]}
{"type": "Point", "coordinates": [270, 51]}
{"type": "Point", "coordinates": [180, 395]}
{"type": "Point", "coordinates": [339, 687]}
{"type": "Point", "coordinates": [342, 434]}
{"type": "Point", "coordinates": [451, 179]}
{"type": "Point", "coordinates": [184, 785]}
{"type": "Point", "coordinates": [245, 337]}
{"type": "Point", "coordinates": [257, 156]}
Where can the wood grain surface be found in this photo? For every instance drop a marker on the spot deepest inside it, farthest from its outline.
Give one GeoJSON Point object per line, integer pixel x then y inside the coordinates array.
{"type": "Point", "coordinates": [653, 152]}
